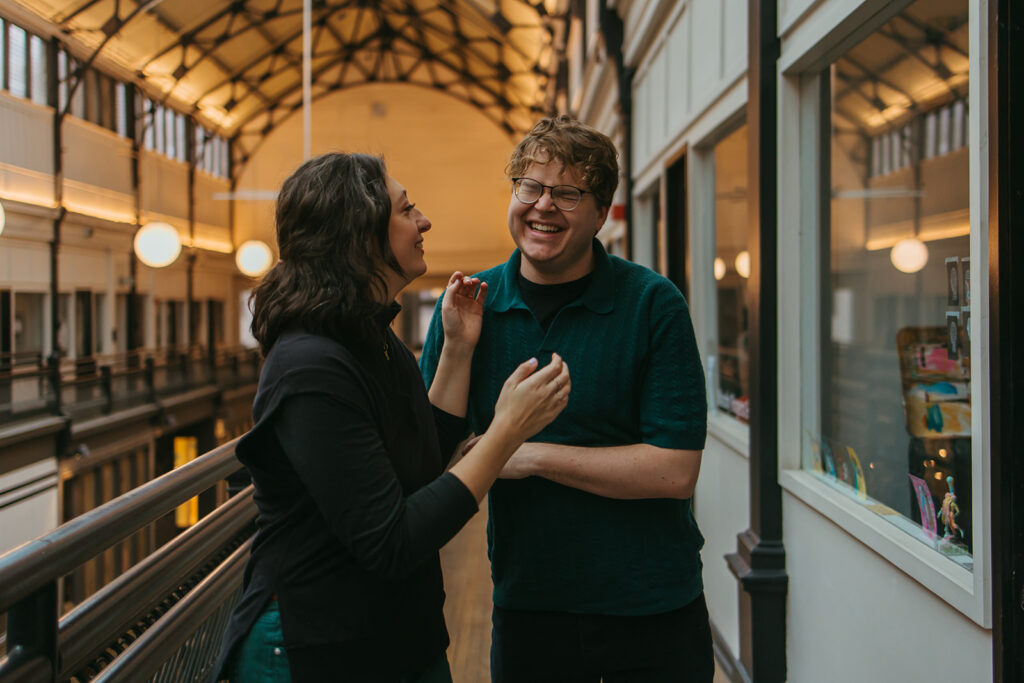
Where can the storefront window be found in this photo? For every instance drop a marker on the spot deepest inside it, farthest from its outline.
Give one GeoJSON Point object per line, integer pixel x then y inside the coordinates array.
{"type": "Point", "coordinates": [895, 398]}
{"type": "Point", "coordinates": [731, 270]}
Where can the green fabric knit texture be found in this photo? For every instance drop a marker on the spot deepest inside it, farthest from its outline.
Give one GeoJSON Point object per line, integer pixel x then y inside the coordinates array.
{"type": "Point", "coordinates": [636, 378]}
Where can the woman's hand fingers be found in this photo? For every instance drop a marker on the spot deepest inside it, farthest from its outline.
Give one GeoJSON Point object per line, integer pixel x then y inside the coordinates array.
{"type": "Point", "coordinates": [524, 370]}
{"type": "Point", "coordinates": [549, 372]}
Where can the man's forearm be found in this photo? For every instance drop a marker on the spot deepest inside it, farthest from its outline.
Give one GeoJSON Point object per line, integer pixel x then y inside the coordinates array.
{"type": "Point", "coordinates": [624, 472]}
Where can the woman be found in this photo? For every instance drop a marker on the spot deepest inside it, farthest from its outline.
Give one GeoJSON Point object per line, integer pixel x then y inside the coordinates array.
{"type": "Point", "coordinates": [347, 455]}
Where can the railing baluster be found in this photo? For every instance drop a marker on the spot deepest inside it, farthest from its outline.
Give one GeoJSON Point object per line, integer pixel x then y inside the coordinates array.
{"type": "Point", "coordinates": [32, 628]}
{"type": "Point", "coordinates": [106, 384]}
{"type": "Point", "coordinates": [149, 375]}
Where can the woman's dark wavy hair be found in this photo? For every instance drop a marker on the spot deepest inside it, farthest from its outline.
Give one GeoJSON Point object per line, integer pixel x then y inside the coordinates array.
{"type": "Point", "coordinates": [332, 235]}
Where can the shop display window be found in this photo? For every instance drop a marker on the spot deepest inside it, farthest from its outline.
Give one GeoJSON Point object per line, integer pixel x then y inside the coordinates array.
{"type": "Point", "coordinates": [895, 395]}
{"type": "Point", "coordinates": [731, 269]}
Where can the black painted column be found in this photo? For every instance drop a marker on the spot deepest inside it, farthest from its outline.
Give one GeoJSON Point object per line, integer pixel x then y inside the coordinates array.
{"type": "Point", "coordinates": [759, 562]}
{"type": "Point", "coordinates": [613, 30]}
{"type": "Point", "coordinates": [1006, 301]}
{"type": "Point", "coordinates": [53, 98]}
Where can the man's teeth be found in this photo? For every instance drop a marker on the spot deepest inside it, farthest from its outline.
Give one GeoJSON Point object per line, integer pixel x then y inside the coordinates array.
{"type": "Point", "coordinates": [544, 228]}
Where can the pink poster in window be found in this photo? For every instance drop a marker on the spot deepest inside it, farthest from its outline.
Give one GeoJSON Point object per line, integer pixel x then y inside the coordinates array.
{"type": "Point", "coordinates": [927, 506]}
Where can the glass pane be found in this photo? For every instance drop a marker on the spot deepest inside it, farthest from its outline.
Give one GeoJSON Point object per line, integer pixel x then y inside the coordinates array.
{"type": "Point", "coordinates": [78, 97]}
{"type": "Point", "coordinates": [179, 136]}
{"type": "Point", "coordinates": [149, 120]}
{"type": "Point", "coordinates": [896, 401]}
{"type": "Point", "coordinates": [158, 128]}
{"type": "Point", "coordinates": [28, 322]}
{"type": "Point", "coordinates": [3, 53]}
{"type": "Point", "coordinates": [731, 270]}
{"type": "Point", "coordinates": [198, 137]}
{"type": "Point", "coordinates": [170, 139]}
{"type": "Point", "coordinates": [39, 70]}
{"type": "Point", "coordinates": [17, 76]}
{"type": "Point", "coordinates": [121, 109]}
{"type": "Point", "coordinates": [62, 79]}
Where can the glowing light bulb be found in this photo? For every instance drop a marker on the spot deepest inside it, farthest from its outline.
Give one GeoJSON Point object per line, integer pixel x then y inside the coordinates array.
{"type": "Point", "coordinates": [743, 263]}
{"type": "Point", "coordinates": [909, 255]}
{"type": "Point", "coordinates": [719, 268]}
{"type": "Point", "coordinates": [157, 244]}
{"type": "Point", "coordinates": [254, 258]}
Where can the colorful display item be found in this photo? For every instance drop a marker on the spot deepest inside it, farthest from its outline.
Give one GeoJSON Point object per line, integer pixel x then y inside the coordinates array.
{"type": "Point", "coordinates": [948, 514]}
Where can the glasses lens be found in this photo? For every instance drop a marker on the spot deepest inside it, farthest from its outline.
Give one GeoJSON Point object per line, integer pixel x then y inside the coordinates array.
{"type": "Point", "coordinates": [566, 197]}
{"type": "Point", "coordinates": [527, 191]}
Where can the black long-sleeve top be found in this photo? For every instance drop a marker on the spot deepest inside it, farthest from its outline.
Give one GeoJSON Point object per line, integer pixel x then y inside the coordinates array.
{"type": "Point", "coordinates": [347, 457]}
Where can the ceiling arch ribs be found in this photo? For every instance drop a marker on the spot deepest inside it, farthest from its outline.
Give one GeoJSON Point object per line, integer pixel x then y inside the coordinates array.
{"type": "Point", "coordinates": [236, 64]}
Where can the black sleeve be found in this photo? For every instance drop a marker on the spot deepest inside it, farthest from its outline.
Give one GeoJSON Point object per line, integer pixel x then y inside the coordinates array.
{"type": "Point", "coordinates": [333, 444]}
{"type": "Point", "coordinates": [451, 430]}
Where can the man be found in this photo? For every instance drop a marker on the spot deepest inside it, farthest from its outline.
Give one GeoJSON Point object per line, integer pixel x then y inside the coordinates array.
{"type": "Point", "coordinates": [594, 550]}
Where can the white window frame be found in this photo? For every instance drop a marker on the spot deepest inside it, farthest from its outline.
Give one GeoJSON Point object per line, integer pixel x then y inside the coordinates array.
{"type": "Point", "coordinates": [799, 346]}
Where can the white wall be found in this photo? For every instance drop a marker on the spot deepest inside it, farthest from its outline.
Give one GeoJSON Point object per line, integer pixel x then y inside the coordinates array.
{"type": "Point", "coordinates": [28, 503]}
{"type": "Point", "coordinates": [699, 54]}
{"type": "Point", "coordinates": [853, 617]}
{"type": "Point", "coordinates": [722, 509]}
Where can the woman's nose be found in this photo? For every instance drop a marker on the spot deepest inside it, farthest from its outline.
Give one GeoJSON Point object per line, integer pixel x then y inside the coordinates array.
{"type": "Point", "coordinates": [424, 224]}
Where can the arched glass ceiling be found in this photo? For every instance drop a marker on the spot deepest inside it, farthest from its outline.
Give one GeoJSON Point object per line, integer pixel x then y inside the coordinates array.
{"type": "Point", "coordinates": [237, 64]}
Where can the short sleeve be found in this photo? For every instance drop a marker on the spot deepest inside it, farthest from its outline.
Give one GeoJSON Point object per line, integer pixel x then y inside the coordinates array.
{"type": "Point", "coordinates": [673, 397]}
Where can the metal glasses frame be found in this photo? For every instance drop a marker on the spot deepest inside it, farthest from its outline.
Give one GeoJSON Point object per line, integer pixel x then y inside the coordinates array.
{"type": "Point", "coordinates": [518, 182]}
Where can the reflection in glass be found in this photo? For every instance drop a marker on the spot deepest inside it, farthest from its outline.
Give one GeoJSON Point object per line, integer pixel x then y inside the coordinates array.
{"type": "Point", "coordinates": [731, 268]}
{"type": "Point", "coordinates": [896, 404]}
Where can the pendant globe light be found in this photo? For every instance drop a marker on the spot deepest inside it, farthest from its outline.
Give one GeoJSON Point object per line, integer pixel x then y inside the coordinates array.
{"type": "Point", "coordinates": [254, 258]}
{"type": "Point", "coordinates": [909, 255]}
{"type": "Point", "coordinates": [157, 244]}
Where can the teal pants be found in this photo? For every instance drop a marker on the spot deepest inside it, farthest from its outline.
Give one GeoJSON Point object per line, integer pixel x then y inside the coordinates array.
{"type": "Point", "coordinates": [262, 657]}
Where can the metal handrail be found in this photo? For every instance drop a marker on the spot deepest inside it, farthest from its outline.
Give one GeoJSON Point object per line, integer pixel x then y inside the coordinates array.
{"type": "Point", "coordinates": [85, 631]}
{"type": "Point", "coordinates": [163, 640]}
{"type": "Point", "coordinates": [32, 565]}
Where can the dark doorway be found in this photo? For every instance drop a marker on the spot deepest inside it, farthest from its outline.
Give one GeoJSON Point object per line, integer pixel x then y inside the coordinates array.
{"type": "Point", "coordinates": [676, 228]}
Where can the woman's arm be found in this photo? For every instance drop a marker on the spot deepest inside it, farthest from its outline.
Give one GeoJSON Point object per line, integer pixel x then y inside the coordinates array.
{"type": "Point", "coordinates": [528, 402]}
{"type": "Point", "coordinates": [462, 316]}
{"type": "Point", "coordinates": [333, 444]}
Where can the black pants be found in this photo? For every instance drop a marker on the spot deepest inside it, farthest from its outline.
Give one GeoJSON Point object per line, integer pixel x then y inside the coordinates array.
{"type": "Point", "coordinates": [558, 647]}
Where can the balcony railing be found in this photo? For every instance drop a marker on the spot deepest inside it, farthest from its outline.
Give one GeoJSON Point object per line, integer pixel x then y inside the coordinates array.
{"type": "Point", "coordinates": [160, 620]}
{"type": "Point", "coordinates": [30, 385]}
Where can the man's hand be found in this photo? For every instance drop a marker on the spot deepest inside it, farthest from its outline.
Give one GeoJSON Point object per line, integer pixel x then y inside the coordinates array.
{"type": "Point", "coordinates": [520, 465]}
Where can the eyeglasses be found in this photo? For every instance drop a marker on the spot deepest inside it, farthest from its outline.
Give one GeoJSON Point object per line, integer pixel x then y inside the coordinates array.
{"type": "Point", "coordinates": [565, 197]}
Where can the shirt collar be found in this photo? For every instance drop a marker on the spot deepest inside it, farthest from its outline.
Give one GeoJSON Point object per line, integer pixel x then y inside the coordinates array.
{"type": "Point", "coordinates": [386, 314]}
{"type": "Point", "coordinates": [598, 297]}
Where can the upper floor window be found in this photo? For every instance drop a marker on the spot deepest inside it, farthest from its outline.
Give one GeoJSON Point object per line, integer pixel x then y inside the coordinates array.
{"type": "Point", "coordinates": [211, 153]}
{"type": "Point", "coordinates": [24, 66]}
{"type": "Point", "coordinates": [167, 132]}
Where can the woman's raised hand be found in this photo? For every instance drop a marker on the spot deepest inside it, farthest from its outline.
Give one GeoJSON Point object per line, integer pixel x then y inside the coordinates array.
{"type": "Point", "coordinates": [462, 310]}
{"type": "Point", "coordinates": [530, 398]}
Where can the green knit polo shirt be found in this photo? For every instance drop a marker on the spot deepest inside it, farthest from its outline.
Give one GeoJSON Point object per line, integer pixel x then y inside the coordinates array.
{"type": "Point", "coordinates": [636, 378]}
